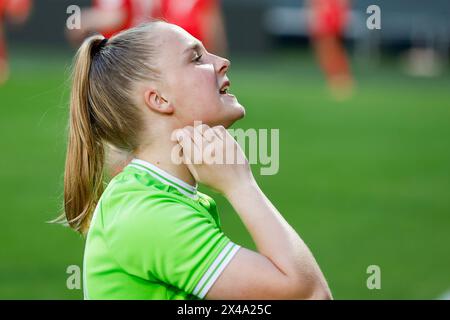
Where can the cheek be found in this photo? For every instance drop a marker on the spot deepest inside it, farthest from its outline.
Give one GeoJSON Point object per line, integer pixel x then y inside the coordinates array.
{"type": "Point", "coordinates": [205, 83]}
{"type": "Point", "coordinates": [197, 96]}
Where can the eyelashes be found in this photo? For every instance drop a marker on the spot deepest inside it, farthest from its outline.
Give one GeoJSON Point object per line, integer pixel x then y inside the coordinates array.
{"type": "Point", "coordinates": [198, 58]}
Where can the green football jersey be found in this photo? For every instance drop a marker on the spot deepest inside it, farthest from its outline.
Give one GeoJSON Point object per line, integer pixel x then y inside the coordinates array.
{"type": "Point", "coordinates": [153, 236]}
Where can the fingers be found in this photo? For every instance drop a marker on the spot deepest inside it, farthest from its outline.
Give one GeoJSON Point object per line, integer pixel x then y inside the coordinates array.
{"type": "Point", "coordinates": [219, 132]}
{"type": "Point", "coordinates": [201, 129]}
{"type": "Point", "coordinates": [208, 133]}
{"type": "Point", "coordinates": [196, 140]}
{"type": "Point", "coordinates": [185, 138]}
{"type": "Point", "coordinates": [203, 132]}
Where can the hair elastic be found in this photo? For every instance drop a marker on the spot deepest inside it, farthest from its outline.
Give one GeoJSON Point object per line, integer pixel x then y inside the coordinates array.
{"type": "Point", "coordinates": [103, 42]}
{"type": "Point", "coordinates": [98, 47]}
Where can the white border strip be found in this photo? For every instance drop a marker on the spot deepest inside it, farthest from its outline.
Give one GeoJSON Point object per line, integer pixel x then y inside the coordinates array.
{"type": "Point", "coordinates": [230, 249]}
{"type": "Point", "coordinates": [219, 271]}
{"type": "Point", "coordinates": [212, 267]}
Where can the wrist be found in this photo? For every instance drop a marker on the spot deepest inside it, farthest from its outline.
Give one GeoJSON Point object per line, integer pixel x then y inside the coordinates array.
{"type": "Point", "coordinates": [241, 189]}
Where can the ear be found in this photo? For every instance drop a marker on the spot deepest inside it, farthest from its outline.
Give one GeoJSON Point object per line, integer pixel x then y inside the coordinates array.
{"type": "Point", "coordinates": [156, 102]}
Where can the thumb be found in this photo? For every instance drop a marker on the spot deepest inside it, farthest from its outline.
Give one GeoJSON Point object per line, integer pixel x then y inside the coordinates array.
{"type": "Point", "coordinates": [184, 140]}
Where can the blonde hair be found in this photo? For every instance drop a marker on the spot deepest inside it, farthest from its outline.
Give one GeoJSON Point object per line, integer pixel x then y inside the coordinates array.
{"type": "Point", "coordinates": [103, 110]}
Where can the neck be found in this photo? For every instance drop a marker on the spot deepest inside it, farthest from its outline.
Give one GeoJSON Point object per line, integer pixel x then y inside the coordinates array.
{"type": "Point", "coordinates": [159, 154]}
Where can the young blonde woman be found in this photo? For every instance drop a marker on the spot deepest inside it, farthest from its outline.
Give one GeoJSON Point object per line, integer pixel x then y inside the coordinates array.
{"type": "Point", "coordinates": [150, 234]}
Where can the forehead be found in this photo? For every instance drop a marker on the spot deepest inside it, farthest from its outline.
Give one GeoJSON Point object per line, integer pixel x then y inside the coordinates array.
{"type": "Point", "coordinates": [176, 39]}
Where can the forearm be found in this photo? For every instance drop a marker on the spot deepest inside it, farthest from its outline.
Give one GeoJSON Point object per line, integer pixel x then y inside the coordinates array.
{"type": "Point", "coordinates": [99, 20]}
{"type": "Point", "coordinates": [276, 239]}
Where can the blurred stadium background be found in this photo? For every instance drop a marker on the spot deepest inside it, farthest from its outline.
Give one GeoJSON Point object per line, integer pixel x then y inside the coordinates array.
{"type": "Point", "coordinates": [365, 181]}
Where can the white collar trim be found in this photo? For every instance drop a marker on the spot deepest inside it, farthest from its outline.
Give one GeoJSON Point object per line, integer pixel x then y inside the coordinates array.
{"type": "Point", "coordinates": [165, 177]}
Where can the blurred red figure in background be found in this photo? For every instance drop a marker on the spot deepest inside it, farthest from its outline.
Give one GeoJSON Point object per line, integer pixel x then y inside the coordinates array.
{"type": "Point", "coordinates": [109, 17]}
{"type": "Point", "coordinates": [16, 11]}
{"type": "Point", "coordinates": [201, 18]}
{"type": "Point", "coordinates": [327, 23]}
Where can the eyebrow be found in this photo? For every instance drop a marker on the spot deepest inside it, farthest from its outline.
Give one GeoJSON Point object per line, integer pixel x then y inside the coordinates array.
{"type": "Point", "coordinates": [197, 46]}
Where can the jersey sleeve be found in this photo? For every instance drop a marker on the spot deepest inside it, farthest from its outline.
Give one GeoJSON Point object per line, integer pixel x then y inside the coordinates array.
{"type": "Point", "coordinates": [165, 240]}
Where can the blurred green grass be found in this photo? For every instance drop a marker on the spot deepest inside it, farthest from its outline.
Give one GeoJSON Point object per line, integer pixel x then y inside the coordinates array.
{"type": "Point", "coordinates": [364, 182]}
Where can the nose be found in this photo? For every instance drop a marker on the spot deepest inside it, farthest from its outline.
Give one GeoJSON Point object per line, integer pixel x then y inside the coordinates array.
{"type": "Point", "coordinates": [222, 65]}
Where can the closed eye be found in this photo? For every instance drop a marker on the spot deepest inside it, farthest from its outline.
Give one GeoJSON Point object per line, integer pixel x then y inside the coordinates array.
{"type": "Point", "coordinates": [198, 58]}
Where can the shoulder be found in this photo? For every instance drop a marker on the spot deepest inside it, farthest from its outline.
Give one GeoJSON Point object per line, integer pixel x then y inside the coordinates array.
{"type": "Point", "coordinates": [133, 202]}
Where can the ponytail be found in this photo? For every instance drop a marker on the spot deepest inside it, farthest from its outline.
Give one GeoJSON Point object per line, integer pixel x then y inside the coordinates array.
{"type": "Point", "coordinates": [83, 177]}
{"type": "Point", "coordinates": [103, 111]}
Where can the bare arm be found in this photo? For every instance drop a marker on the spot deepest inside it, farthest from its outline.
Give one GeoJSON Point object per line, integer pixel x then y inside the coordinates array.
{"type": "Point", "coordinates": [283, 267]}
{"type": "Point", "coordinates": [95, 20]}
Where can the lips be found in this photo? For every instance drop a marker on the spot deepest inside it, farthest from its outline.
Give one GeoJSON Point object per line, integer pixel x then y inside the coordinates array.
{"type": "Point", "coordinates": [224, 88]}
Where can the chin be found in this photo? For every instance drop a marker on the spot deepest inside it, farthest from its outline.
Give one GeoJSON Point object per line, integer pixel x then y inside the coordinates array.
{"type": "Point", "coordinates": [241, 112]}
{"type": "Point", "coordinates": [237, 114]}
